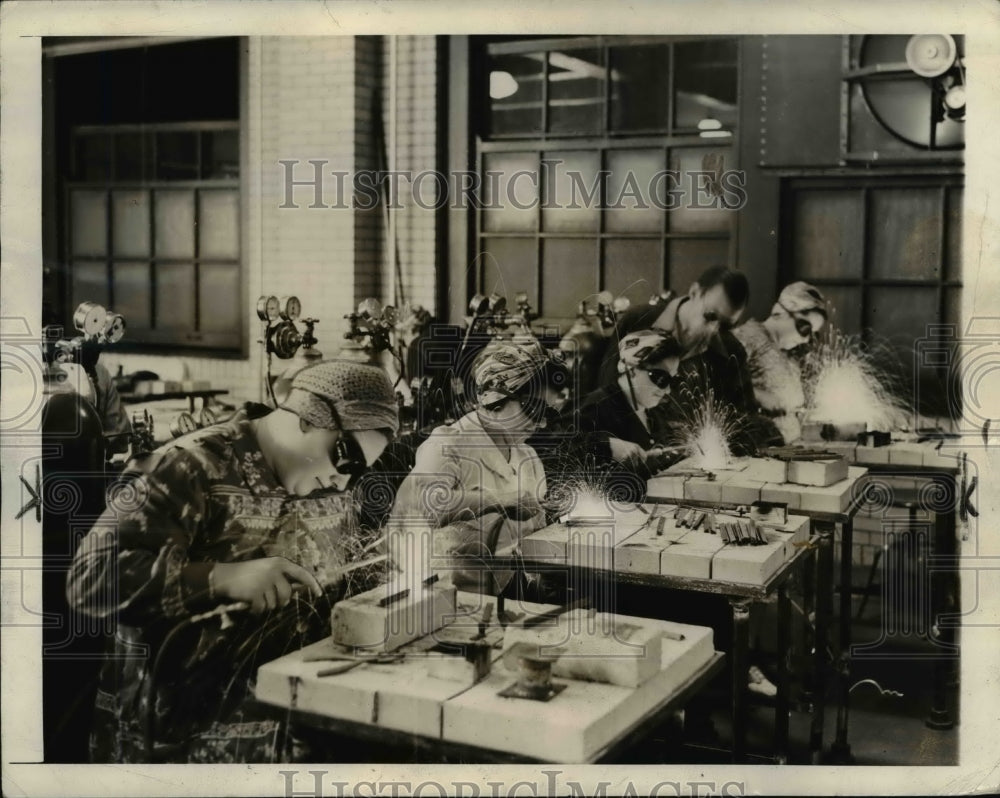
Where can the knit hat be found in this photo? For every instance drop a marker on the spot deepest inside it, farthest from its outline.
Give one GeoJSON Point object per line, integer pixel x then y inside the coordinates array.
{"type": "Point", "coordinates": [645, 346]}
{"type": "Point", "coordinates": [342, 394]}
{"type": "Point", "coordinates": [505, 366]}
{"type": "Point", "coordinates": [801, 297]}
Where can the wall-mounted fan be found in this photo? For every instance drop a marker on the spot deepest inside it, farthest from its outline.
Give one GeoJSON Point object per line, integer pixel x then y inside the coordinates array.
{"type": "Point", "coordinates": [915, 87]}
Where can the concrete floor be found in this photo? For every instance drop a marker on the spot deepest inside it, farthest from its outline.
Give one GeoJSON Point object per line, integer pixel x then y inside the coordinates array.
{"type": "Point", "coordinates": [884, 728]}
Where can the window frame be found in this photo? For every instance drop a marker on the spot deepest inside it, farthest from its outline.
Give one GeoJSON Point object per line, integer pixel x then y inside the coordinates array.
{"type": "Point", "coordinates": [668, 140]}
{"type": "Point", "coordinates": [228, 345]}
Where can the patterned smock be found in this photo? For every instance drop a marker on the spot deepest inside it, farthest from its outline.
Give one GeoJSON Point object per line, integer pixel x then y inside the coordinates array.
{"type": "Point", "coordinates": [205, 498]}
{"type": "Point", "coordinates": [777, 379]}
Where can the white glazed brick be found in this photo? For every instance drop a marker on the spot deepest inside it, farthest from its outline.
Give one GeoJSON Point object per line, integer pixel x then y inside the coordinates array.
{"type": "Point", "coordinates": [360, 622]}
{"type": "Point", "coordinates": [821, 473]}
{"type": "Point", "coordinates": [598, 648]}
{"type": "Point", "coordinates": [691, 555]}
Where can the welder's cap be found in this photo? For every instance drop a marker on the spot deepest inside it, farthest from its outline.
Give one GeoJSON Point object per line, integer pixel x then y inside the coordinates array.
{"type": "Point", "coordinates": [647, 346]}
{"type": "Point", "coordinates": [505, 366]}
{"type": "Point", "coordinates": [801, 297]}
{"type": "Point", "coordinates": [342, 394]}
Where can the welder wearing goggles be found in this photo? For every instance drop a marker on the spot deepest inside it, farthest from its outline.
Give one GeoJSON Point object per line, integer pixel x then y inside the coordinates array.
{"type": "Point", "coordinates": [476, 482]}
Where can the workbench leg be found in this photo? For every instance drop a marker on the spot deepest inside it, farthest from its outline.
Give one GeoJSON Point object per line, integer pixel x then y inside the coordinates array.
{"type": "Point", "coordinates": [944, 597]}
{"type": "Point", "coordinates": [781, 707]}
{"type": "Point", "coordinates": [808, 633]}
{"type": "Point", "coordinates": [840, 751]}
{"type": "Point", "coordinates": [741, 661]}
{"type": "Point", "coordinates": [820, 638]}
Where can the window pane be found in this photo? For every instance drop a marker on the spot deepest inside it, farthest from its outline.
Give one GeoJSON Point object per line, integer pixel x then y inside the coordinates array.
{"type": "Point", "coordinates": [569, 273]}
{"type": "Point", "coordinates": [828, 229]}
{"type": "Point", "coordinates": [705, 83]}
{"type": "Point", "coordinates": [640, 87]}
{"type": "Point", "coordinates": [507, 265]}
{"type": "Point", "coordinates": [175, 296]}
{"type": "Point", "coordinates": [899, 316]}
{"type": "Point", "coordinates": [220, 154]}
{"type": "Point", "coordinates": [219, 297]}
{"type": "Point", "coordinates": [512, 191]}
{"type": "Point", "coordinates": [701, 207]}
{"type": "Point", "coordinates": [576, 91]}
{"type": "Point", "coordinates": [574, 176]}
{"type": "Point", "coordinates": [688, 259]}
{"type": "Point", "coordinates": [89, 218]}
{"type": "Point", "coordinates": [906, 233]}
{"type": "Point", "coordinates": [844, 304]}
{"type": "Point", "coordinates": [516, 93]}
{"type": "Point", "coordinates": [89, 283]}
{"type": "Point", "coordinates": [219, 224]}
{"type": "Point", "coordinates": [953, 252]}
{"type": "Point", "coordinates": [632, 267]}
{"type": "Point", "coordinates": [93, 157]}
{"type": "Point", "coordinates": [133, 156]}
{"type": "Point", "coordinates": [632, 208]}
{"type": "Point", "coordinates": [130, 282]}
{"type": "Point", "coordinates": [177, 156]}
{"type": "Point", "coordinates": [131, 223]}
{"type": "Point", "coordinates": [174, 224]}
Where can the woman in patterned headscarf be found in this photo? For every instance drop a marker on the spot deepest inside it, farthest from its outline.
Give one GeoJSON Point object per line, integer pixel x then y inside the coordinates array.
{"type": "Point", "coordinates": [254, 512]}
{"type": "Point", "coordinates": [476, 483]}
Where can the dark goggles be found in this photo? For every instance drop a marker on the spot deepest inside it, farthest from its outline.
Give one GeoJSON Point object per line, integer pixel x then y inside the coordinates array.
{"type": "Point", "coordinates": [661, 378]}
{"type": "Point", "coordinates": [349, 458]}
{"type": "Point", "coordinates": [802, 326]}
{"type": "Point", "coordinates": [539, 410]}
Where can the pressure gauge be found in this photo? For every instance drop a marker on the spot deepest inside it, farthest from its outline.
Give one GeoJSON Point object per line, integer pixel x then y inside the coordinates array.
{"type": "Point", "coordinates": [478, 305]}
{"type": "Point", "coordinates": [89, 318]}
{"type": "Point", "coordinates": [497, 304]}
{"type": "Point", "coordinates": [289, 308]}
{"type": "Point", "coordinates": [267, 308]}
{"type": "Point", "coordinates": [183, 424]}
{"type": "Point", "coordinates": [369, 308]}
{"type": "Point", "coordinates": [114, 327]}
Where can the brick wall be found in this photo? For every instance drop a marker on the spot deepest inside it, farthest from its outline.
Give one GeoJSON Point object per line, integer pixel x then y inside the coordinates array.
{"type": "Point", "coordinates": [315, 98]}
{"type": "Point", "coordinates": [415, 151]}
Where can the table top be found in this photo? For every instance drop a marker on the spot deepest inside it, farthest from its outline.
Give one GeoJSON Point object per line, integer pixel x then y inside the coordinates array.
{"type": "Point", "coordinates": [411, 703]}
{"type": "Point", "coordinates": [744, 484]}
{"type": "Point", "coordinates": [905, 455]}
{"type": "Point", "coordinates": [136, 398]}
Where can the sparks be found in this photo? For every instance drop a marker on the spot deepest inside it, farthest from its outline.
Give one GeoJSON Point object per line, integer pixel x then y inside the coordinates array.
{"type": "Point", "coordinates": [707, 437]}
{"type": "Point", "coordinates": [844, 386]}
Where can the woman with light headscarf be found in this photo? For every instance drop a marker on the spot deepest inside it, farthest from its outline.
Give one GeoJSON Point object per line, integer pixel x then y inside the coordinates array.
{"type": "Point", "coordinates": [476, 484]}
{"type": "Point", "coordinates": [796, 318]}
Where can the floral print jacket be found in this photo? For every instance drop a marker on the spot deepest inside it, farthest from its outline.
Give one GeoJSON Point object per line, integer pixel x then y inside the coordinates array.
{"type": "Point", "coordinates": [175, 684]}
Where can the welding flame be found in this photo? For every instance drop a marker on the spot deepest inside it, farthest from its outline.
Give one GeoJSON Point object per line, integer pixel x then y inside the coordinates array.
{"type": "Point", "coordinates": [588, 503]}
{"type": "Point", "coordinates": [707, 437]}
{"type": "Point", "coordinates": [844, 386]}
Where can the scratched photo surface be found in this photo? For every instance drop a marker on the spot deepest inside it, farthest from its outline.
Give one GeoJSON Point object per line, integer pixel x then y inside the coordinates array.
{"type": "Point", "coordinates": [656, 453]}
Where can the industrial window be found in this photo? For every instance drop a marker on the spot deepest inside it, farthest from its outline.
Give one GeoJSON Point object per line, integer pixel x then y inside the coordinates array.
{"type": "Point", "coordinates": [887, 254]}
{"type": "Point", "coordinates": [151, 192]}
{"type": "Point", "coordinates": [603, 165]}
